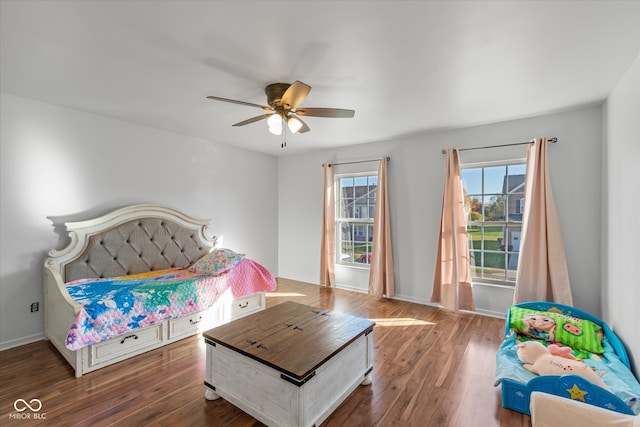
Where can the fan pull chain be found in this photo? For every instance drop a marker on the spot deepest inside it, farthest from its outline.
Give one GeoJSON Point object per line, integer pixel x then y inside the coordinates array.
{"type": "Point", "coordinates": [284, 134]}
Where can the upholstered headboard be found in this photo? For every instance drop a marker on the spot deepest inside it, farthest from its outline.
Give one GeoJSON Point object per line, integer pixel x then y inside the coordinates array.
{"type": "Point", "coordinates": [131, 240]}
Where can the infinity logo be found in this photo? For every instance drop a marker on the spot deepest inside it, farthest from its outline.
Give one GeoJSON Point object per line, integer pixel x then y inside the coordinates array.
{"type": "Point", "coordinates": [34, 402]}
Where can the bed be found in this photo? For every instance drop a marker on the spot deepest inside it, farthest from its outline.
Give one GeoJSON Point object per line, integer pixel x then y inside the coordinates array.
{"type": "Point", "coordinates": [591, 342]}
{"type": "Point", "coordinates": [141, 277]}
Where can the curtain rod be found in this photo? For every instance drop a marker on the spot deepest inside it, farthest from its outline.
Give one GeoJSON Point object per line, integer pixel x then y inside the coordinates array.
{"type": "Point", "coordinates": [359, 161]}
{"type": "Point", "coordinates": [552, 140]}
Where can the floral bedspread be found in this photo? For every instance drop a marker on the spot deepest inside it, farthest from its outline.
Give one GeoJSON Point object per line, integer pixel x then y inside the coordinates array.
{"type": "Point", "coordinates": [114, 306]}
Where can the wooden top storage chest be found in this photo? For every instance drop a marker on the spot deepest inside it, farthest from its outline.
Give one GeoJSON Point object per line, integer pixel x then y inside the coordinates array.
{"type": "Point", "coordinates": [292, 338]}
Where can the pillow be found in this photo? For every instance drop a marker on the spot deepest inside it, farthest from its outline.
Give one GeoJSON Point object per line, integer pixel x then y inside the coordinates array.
{"type": "Point", "coordinates": [555, 327]}
{"type": "Point", "coordinates": [216, 262]}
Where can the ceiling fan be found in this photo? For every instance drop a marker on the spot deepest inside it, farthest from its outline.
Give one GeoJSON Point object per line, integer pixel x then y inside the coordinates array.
{"type": "Point", "coordinates": [283, 100]}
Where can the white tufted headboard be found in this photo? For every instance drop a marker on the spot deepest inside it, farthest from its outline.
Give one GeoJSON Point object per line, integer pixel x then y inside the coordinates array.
{"type": "Point", "coordinates": [131, 240]}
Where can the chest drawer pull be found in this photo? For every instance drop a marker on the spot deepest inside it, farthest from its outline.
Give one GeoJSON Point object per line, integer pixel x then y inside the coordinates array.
{"type": "Point", "coordinates": [245, 305]}
{"type": "Point", "coordinates": [135, 337]}
{"type": "Point", "coordinates": [195, 322]}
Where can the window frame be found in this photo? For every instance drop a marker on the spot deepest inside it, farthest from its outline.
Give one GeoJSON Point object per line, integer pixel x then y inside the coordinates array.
{"type": "Point", "coordinates": [506, 225]}
{"type": "Point", "coordinates": [366, 222]}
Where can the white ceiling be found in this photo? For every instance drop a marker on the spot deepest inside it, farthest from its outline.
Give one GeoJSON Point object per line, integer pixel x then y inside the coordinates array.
{"type": "Point", "coordinates": [404, 66]}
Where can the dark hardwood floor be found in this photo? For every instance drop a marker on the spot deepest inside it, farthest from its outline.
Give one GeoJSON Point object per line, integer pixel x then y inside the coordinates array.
{"type": "Point", "coordinates": [431, 368]}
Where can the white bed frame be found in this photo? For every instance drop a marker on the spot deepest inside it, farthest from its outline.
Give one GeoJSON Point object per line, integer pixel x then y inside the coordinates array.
{"type": "Point", "coordinates": [60, 309]}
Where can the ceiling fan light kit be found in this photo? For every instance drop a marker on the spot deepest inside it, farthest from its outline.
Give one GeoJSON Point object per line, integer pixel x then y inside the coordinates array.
{"type": "Point", "coordinates": [294, 123]}
{"type": "Point", "coordinates": [283, 100]}
{"type": "Point", "coordinates": [275, 124]}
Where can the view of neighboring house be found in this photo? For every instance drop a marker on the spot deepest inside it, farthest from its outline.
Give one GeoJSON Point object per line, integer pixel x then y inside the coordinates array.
{"type": "Point", "coordinates": [513, 189]}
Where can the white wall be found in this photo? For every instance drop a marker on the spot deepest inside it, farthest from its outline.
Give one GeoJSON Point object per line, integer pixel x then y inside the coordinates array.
{"type": "Point", "coordinates": [621, 206]}
{"type": "Point", "coordinates": [56, 162]}
{"type": "Point", "coordinates": [415, 178]}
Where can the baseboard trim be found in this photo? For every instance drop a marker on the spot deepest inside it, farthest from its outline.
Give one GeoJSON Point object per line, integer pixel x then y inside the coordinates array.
{"type": "Point", "coordinates": [6, 345]}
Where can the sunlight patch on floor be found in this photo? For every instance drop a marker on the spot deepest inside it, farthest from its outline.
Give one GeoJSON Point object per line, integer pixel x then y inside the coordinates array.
{"type": "Point", "coordinates": [401, 321]}
{"type": "Point", "coordinates": [284, 294]}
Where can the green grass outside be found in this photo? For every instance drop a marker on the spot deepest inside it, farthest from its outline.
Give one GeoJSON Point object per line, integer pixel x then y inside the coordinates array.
{"type": "Point", "coordinates": [491, 236]}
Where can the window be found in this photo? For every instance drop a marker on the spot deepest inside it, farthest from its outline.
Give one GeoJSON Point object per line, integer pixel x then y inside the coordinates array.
{"type": "Point", "coordinates": [494, 199]}
{"type": "Point", "coordinates": [355, 207]}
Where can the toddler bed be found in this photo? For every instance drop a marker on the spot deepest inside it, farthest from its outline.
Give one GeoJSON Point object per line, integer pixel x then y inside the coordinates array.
{"type": "Point", "coordinates": [585, 338]}
{"type": "Point", "coordinates": [139, 278]}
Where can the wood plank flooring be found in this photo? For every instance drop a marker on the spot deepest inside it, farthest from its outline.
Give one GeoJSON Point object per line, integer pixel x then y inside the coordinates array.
{"type": "Point", "coordinates": [431, 368]}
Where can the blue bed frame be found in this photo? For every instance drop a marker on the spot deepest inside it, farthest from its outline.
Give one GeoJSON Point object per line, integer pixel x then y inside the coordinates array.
{"type": "Point", "coordinates": [516, 395]}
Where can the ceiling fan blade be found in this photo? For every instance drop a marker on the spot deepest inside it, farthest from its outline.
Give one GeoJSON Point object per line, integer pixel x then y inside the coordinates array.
{"type": "Point", "coordinates": [294, 95]}
{"type": "Point", "coordinates": [233, 101]}
{"type": "Point", "coordinates": [304, 127]}
{"type": "Point", "coordinates": [325, 112]}
{"type": "Point", "coordinates": [253, 119]}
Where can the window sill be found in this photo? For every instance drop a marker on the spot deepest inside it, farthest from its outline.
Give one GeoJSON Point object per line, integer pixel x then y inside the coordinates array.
{"type": "Point", "coordinates": [355, 266]}
{"type": "Point", "coordinates": [493, 285]}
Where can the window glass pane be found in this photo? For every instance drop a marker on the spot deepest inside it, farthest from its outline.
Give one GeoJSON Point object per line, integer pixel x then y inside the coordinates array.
{"type": "Point", "coordinates": [346, 182]}
{"type": "Point", "coordinates": [346, 252]}
{"type": "Point", "coordinates": [474, 234]}
{"type": "Point", "coordinates": [494, 179]}
{"type": "Point", "coordinates": [346, 232]}
{"type": "Point", "coordinates": [360, 181]}
{"type": "Point", "coordinates": [373, 180]}
{"type": "Point", "coordinates": [520, 169]}
{"type": "Point", "coordinates": [345, 208]}
{"type": "Point", "coordinates": [475, 259]}
{"type": "Point", "coordinates": [493, 273]}
{"type": "Point", "coordinates": [472, 180]}
{"type": "Point", "coordinates": [493, 239]}
{"type": "Point", "coordinates": [474, 206]}
{"type": "Point", "coordinates": [494, 208]}
{"type": "Point", "coordinates": [362, 252]}
{"type": "Point", "coordinates": [512, 266]}
{"type": "Point", "coordinates": [513, 238]}
{"type": "Point", "coordinates": [515, 204]}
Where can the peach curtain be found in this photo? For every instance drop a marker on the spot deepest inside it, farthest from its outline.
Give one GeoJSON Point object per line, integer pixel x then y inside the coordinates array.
{"type": "Point", "coordinates": [542, 266]}
{"type": "Point", "coordinates": [452, 282]}
{"type": "Point", "coordinates": [328, 238]}
{"type": "Point", "coordinates": [381, 280]}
